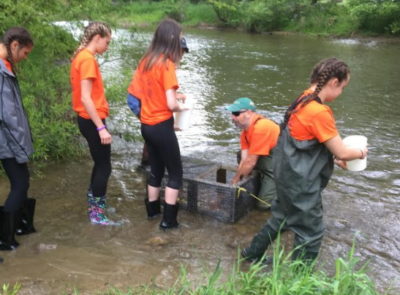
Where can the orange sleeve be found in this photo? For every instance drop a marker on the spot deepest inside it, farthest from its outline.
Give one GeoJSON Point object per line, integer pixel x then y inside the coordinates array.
{"type": "Point", "coordinates": [88, 69]}
{"type": "Point", "coordinates": [324, 126]}
{"type": "Point", "coordinates": [169, 79]}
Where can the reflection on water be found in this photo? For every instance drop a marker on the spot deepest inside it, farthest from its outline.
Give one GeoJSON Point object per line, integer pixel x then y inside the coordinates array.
{"type": "Point", "coordinates": [362, 207]}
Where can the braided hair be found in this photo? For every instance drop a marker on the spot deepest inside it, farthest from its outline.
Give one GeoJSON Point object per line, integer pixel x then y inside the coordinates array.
{"type": "Point", "coordinates": [322, 72]}
{"type": "Point", "coordinates": [19, 34]}
{"type": "Point", "coordinates": [91, 30]}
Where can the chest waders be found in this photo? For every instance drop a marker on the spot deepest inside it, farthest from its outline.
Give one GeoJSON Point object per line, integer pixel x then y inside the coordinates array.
{"type": "Point", "coordinates": [302, 170]}
{"type": "Point", "coordinates": [267, 191]}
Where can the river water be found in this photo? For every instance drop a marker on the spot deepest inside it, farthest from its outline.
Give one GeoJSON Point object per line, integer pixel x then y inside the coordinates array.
{"type": "Point", "coordinates": [360, 207]}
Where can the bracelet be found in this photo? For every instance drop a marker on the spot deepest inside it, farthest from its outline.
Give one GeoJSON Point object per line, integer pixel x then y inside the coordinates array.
{"type": "Point", "coordinates": [101, 128]}
{"type": "Point", "coordinates": [362, 154]}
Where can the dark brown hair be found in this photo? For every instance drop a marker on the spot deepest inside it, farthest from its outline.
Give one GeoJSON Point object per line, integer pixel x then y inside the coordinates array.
{"type": "Point", "coordinates": [165, 43]}
{"type": "Point", "coordinates": [322, 72]}
{"type": "Point", "coordinates": [19, 34]}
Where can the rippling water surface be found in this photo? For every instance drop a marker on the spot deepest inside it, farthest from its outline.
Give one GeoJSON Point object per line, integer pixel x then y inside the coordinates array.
{"type": "Point", "coordinates": [361, 207]}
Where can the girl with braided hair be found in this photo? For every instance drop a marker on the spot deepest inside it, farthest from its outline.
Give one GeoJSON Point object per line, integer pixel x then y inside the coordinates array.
{"type": "Point", "coordinates": [303, 164]}
{"type": "Point", "coordinates": [16, 216]}
{"type": "Point", "coordinates": [91, 106]}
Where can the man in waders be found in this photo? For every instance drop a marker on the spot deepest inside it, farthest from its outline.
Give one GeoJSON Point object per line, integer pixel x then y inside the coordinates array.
{"type": "Point", "coordinates": [258, 137]}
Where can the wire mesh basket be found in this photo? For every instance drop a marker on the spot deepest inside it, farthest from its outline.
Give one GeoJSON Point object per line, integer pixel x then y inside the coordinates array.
{"type": "Point", "coordinates": [207, 190]}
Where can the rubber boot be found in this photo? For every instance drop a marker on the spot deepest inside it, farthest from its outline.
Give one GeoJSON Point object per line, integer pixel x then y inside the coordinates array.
{"type": "Point", "coordinates": [307, 257]}
{"type": "Point", "coordinates": [153, 208]}
{"type": "Point", "coordinates": [7, 230]}
{"type": "Point", "coordinates": [259, 244]}
{"type": "Point", "coordinates": [169, 218]}
{"type": "Point", "coordinates": [96, 210]}
{"type": "Point", "coordinates": [25, 226]}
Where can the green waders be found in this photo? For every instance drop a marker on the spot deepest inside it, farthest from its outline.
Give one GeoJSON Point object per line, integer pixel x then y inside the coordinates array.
{"type": "Point", "coordinates": [267, 191]}
{"type": "Point", "coordinates": [302, 170]}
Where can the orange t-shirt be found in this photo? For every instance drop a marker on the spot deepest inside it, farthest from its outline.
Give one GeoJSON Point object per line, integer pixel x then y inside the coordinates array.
{"type": "Point", "coordinates": [7, 64]}
{"type": "Point", "coordinates": [313, 121]}
{"type": "Point", "coordinates": [85, 67]}
{"type": "Point", "coordinates": [260, 137]}
{"type": "Point", "coordinates": [150, 87]}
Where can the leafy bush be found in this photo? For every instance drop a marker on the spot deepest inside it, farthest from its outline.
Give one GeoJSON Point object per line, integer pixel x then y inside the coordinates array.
{"type": "Point", "coordinates": [228, 11]}
{"type": "Point", "coordinates": [377, 17]}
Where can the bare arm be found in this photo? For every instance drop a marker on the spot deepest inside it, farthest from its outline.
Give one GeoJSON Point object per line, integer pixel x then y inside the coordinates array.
{"type": "Point", "coordinates": [172, 102]}
{"type": "Point", "coordinates": [336, 146]}
{"type": "Point", "coordinates": [246, 165]}
{"type": "Point", "coordinates": [86, 90]}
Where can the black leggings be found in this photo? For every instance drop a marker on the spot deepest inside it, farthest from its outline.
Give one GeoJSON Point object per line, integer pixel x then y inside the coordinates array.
{"type": "Point", "coordinates": [18, 175]}
{"type": "Point", "coordinates": [101, 155]}
{"type": "Point", "coordinates": [164, 152]}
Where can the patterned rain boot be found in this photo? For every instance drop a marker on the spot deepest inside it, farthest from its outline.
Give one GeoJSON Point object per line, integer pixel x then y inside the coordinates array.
{"type": "Point", "coordinates": [96, 210]}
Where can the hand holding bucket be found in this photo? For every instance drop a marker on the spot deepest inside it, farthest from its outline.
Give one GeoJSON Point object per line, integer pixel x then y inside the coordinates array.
{"type": "Point", "coordinates": [182, 118]}
{"type": "Point", "coordinates": [357, 142]}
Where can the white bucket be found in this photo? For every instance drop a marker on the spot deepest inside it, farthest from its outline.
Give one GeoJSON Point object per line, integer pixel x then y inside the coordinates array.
{"type": "Point", "coordinates": [182, 119]}
{"type": "Point", "coordinates": [358, 142]}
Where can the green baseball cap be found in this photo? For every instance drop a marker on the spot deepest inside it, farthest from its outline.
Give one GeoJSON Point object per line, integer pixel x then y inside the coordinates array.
{"type": "Point", "coordinates": [242, 104]}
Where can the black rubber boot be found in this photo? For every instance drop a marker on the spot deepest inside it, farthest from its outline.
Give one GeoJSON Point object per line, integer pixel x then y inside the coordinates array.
{"type": "Point", "coordinates": [259, 244]}
{"type": "Point", "coordinates": [169, 218]}
{"type": "Point", "coordinates": [25, 225]}
{"type": "Point", "coordinates": [7, 230]}
{"type": "Point", "coordinates": [153, 208]}
{"type": "Point", "coordinates": [302, 254]}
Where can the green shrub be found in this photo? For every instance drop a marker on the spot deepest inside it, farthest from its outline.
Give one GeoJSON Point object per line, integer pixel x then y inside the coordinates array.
{"type": "Point", "coordinates": [376, 17]}
{"type": "Point", "coordinates": [227, 11]}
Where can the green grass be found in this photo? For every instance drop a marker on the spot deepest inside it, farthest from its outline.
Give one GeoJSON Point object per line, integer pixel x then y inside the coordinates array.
{"type": "Point", "coordinates": [149, 13]}
{"type": "Point", "coordinates": [6, 289]}
{"type": "Point", "coordinates": [283, 277]}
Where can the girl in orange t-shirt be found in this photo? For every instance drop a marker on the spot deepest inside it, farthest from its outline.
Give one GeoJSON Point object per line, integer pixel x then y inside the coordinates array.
{"type": "Point", "coordinates": [303, 164]}
{"type": "Point", "coordinates": [154, 83]}
{"type": "Point", "coordinates": [90, 104]}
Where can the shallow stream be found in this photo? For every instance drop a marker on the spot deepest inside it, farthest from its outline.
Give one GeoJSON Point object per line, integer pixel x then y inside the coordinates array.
{"type": "Point", "coordinates": [361, 207]}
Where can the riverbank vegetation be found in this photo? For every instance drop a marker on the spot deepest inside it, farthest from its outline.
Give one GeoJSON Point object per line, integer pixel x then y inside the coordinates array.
{"type": "Point", "coordinates": [44, 77]}
{"type": "Point", "coordinates": [282, 277]}
{"type": "Point", "coordinates": [323, 17]}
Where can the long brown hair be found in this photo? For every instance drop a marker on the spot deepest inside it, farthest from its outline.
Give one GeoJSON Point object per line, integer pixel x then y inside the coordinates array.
{"type": "Point", "coordinates": [19, 34]}
{"type": "Point", "coordinates": [322, 72]}
{"type": "Point", "coordinates": [91, 30]}
{"type": "Point", "coordinates": [165, 43]}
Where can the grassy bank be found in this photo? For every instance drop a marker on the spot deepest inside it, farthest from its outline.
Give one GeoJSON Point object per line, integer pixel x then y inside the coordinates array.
{"type": "Point", "coordinates": [142, 13]}
{"type": "Point", "coordinates": [283, 277]}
